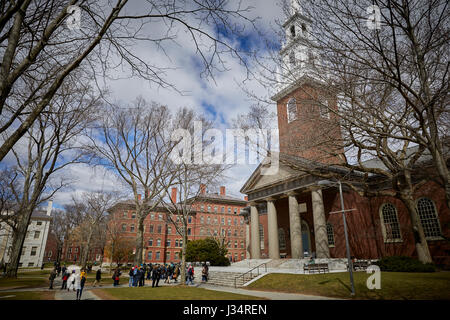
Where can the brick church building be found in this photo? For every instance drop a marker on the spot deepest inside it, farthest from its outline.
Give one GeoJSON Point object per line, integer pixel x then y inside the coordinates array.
{"type": "Point", "coordinates": [214, 214]}
{"type": "Point", "coordinates": [289, 213]}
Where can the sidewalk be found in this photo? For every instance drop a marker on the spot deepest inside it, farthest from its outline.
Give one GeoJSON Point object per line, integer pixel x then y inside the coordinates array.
{"type": "Point", "coordinates": [266, 294]}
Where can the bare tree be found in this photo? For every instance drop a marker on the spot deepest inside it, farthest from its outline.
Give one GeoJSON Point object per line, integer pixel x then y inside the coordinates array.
{"type": "Point", "coordinates": [188, 176]}
{"type": "Point", "coordinates": [42, 43]}
{"type": "Point", "coordinates": [92, 211]}
{"type": "Point", "coordinates": [134, 143]}
{"type": "Point", "coordinates": [49, 146]}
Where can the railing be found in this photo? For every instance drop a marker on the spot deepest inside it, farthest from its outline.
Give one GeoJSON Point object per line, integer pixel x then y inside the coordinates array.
{"type": "Point", "coordinates": [250, 272]}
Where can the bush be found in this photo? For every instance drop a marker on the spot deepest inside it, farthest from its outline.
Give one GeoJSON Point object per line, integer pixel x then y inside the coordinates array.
{"type": "Point", "coordinates": [208, 249]}
{"type": "Point", "coordinates": [404, 264]}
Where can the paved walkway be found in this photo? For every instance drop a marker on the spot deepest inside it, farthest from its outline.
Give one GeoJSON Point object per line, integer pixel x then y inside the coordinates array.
{"type": "Point", "coordinates": [265, 294]}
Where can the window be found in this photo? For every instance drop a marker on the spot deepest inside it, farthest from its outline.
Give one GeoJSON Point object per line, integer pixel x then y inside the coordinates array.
{"type": "Point", "coordinates": [235, 210]}
{"type": "Point", "coordinates": [229, 232]}
{"type": "Point", "coordinates": [201, 231]}
{"type": "Point", "coordinates": [181, 243]}
{"type": "Point", "coordinates": [235, 233]}
{"type": "Point", "coordinates": [215, 232]}
{"type": "Point", "coordinates": [33, 251]}
{"type": "Point", "coordinates": [222, 210]}
{"type": "Point", "coordinates": [229, 209]}
{"type": "Point", "coordinates": [30, 264]}
{"type": "Point", "coordinates": [132, 228]}
{"type": "Point", "coordinates": [169, 230]}
{"type": "Point", "coordinates": [76, 250]}
{"type": "Point", "coordinates": [168, 242]}
{"type": "Point", "coordinates": [152, 216]}
{"type": "Point", "coordinates": [158, 242]}
{"type": "Point", "coordinates": [125, 214]}
{"type": "Point", "coordinates": [160, 217]}
{"type": "Point", "coordinates": [323, 108]}
{"type": "Point", "coordinates": [229, 221]}
{"type": "Point", "coordinates": [150, 242]}
{"type": "Point", "coordinates": [330, 235]}
{"type": "Point", "coordinates": [202, 220]}
{"type": "Point", "coordinates": [222, 221]}
{"type": "Point", "coordinates": [429, 218]}
{"type": "Point", "coordinates": [304, 31]}
{"type": "Point", "coordinates": [242, 244]}
{"type": "Point", "coordinates": [390, 225]}
{"type": "Point", "coordinates": [202, 207]}
{"type": "Point", "coordinates": [261, 236]}
{"type": "Point", "coordinates": [291, 110]}
{"type": "Point", "coordinates": [209, 208]}
{"type": "Point", "coordinates": [168, 255]}
{"type": "Point", "coordinates": [176, 243]}
{"type": "Point", "coordinates": [151, 228]}
{"type": "Point", "coordinates": [235, 221]}
{"type": "Point", "coordinates": [133, 215]}
{"type": "Point", "coordinates": [39, 223]}
{"type": "Point", "coordinates": [124, 227]}
{"type": "Point", "coordinates": [281, 239]}
{"type": "Point", "coordinates": [215, 221]}
{"type": "Point", "coordinates": [242, 233]}
{"type": "Point", "coordinates": [149, 255]}
{"type": "Point", "coordinates": [37, 234]}
{"type": "Point", "coordinates": [215, 209]}
{"type": "Point", "coordinates": [235, 244]}
{"type": "Point", "coordinates": [292, 30]}
{"type": "Point", "coordinates": [157, 255]}
{"type": "Point", "coordinates": [208, 220]}
{"type": "Point", "coordinates": [189, 231]}
{"type": "Point", "coordinates": [189, 219]}
{"type": "Point", "coordinates": [159, 229]}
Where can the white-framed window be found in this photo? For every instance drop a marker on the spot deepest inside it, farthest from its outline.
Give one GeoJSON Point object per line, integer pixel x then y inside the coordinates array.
{"type": "Point", "coordinates": [149, 255]}
{"type": "Point", "coordinates": [330, 235]}
{"type": "Point", "coordinates": [281, 239]}
{"type": "Point", "coordinates": [291, 110]}
{"type": "Point", "coordinates": [229, 209]}
{"type": "Point", "coordinates": [150, 242]}
{"type": "Point", "coordinates": [202, 220]}
{"type": "Point", "coordinates": [159, 229]}
{"type": "Point", "coordinates": [429, 219]}
{"type": "Point", "coordinates": [158, 242]}
{"type": "Point", "coordinates": [168, 242]}
{"type": "Point", "coordinates": [133, 215]}
{"type": "Point", "coordinates": [132, 228]}
{"type": "Point", "coordinates": [157, 255]}
{"type": "Point", "coordinates": [222, 209]}
{"type": "Point", "coordinates": [125, 214]}
{"type": "Point", "coordinates": [235, 210]}
{"type": "Point", "coordinates": [160, 217]}
{"type": "Point", "coordinates": [33, 251]}
{"type": "Point", "coordinates": [229, 221]}
{"type": "Point", "coordinates": [208, 220]}
{"type": "Point", "coordinates": [169, 230]}
{"type": "Point", "coordinates": [39, 223]}
{"type": "Point", "coordinates": [389, 223]}
{"type": "Point", "coordinates": [151, 228]}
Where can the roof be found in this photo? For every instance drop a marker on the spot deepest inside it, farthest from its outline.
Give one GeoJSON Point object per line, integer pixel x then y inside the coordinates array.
{"type": "Point", "coordinates": [216, 197]}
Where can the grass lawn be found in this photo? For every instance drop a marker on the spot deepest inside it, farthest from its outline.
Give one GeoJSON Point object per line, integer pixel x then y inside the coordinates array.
{"type": "Point", "coordinates": [27, 295]}
{"type": "Point", "coordinates": [168, 293]}
{"type": "Point", "coordinates": [394, 285]}
{"type": "Point", "coordinates": [23, 283]}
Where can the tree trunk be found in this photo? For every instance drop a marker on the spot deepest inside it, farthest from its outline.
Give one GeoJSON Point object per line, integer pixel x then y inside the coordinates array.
{"type": "Point", "coordinates": [183, 256]}
{"type": "Point", "coordinates": [18, 239]}
{"type": "Point", "coordinates": [139, 242]}
{"type": "Point", "coordinates": [406, 195]}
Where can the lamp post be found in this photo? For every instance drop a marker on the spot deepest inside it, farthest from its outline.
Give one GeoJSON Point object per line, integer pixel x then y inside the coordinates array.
{"type": "Point", "coordinates": [350, 265]}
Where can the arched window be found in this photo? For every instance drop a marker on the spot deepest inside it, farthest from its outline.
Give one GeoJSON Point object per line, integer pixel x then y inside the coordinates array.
{"type": "Point", "coordinates": [281, 239]}
{"type": "Point", "coordinates": [291, 110]}
{"type": "Point", "coordinates": [292, 29]}
{"type": "Point", "coordinates": [390, 225]}
{"type": "Point", "coordinates": [330, 235]}
{"type": "Point", "coordinates": [429, 218]}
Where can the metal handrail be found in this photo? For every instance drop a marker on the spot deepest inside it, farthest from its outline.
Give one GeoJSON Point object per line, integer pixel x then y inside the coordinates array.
{"type": "Point", "coordinates": [250, 271]}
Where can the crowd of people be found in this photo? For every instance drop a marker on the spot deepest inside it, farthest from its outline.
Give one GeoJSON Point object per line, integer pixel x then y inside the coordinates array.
{"type": "Point", "coordinates": [71, 280]}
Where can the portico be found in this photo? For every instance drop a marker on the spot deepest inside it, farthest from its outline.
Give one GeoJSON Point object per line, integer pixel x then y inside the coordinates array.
{"type": "Point", "coordinates": [292, 202]}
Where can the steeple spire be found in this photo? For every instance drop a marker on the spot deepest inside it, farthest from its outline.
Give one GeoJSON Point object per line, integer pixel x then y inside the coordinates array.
{"type": "Point", "coordinates": [295, 6]}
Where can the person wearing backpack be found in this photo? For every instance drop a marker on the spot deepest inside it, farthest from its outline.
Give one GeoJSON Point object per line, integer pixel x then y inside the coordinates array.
{"type": "Point", "coordinates": [79, 283]}
{"type": "Point", "coordinates": [64, 279]}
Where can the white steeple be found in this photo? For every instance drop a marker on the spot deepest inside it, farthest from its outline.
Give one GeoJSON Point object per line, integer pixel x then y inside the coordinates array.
{"type": "Point", "coordinates": [295, 6]}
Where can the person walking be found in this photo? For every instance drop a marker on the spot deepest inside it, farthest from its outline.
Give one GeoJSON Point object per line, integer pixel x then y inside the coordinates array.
{"type": "Point", "coordinates": [116, 276]}
{"type": "Point", "coordinates": [190, 275]}
{"type": "Point", "coordinates": [98, 277]}
{"type": "Point", "coordinates": [64, 279]}
{"type": "Point", "coordinates": [176, 273]}
{"type": "Point", "coordinates": [156, 273]}
{"type": "Point", "coordinates": [52, 278]}
{"type": "Point", "coordinates": [205, 273]}
{"type": "Point", "coordinates": [79, 283]}
{"type": "Point", "coordinates": [71, 281]}
{"type": "Point", "coordinates": [131, 274]}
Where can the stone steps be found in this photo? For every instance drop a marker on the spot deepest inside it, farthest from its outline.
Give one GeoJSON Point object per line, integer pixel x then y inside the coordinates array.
{"type": "Point", "coordinates": [228, 278]}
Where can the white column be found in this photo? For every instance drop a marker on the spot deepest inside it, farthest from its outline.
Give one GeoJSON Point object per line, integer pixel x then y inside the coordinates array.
{"type": "Point", "coordinates": [274, 248]}
{"type": "Point", "coordinates": [255, 247]}
{"type": "Point", "coordinates": [295, 227]}
{"type": "Point", "coordinates": [320, 227]}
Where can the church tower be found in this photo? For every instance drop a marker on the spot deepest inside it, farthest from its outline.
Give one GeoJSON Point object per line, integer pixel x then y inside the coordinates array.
{"type": "Point", "coordinates": [307, 126]}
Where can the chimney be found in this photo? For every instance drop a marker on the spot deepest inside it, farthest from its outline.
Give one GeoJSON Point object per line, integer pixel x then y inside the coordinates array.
{"type": "Point", "coordinates": [173, 195]}
{"type": "Point", "coordinates": [246, 198]}
{"type": "Point", "coordinates": [202, 189]}
{"type": "Point", "coordinates": [222, 190]}
{"type": "Point", "coordinates": [139, 197]}
{"type": "Point", "coordinates": [49, 208]}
